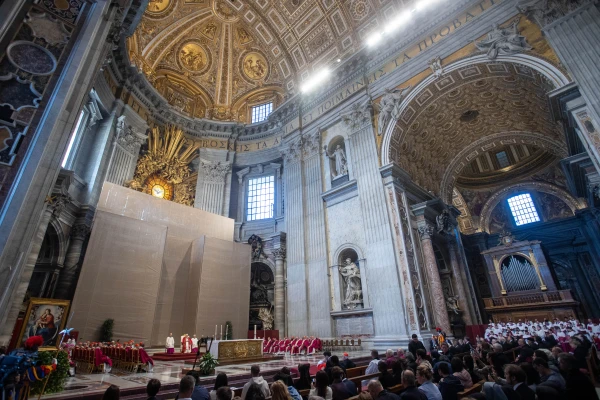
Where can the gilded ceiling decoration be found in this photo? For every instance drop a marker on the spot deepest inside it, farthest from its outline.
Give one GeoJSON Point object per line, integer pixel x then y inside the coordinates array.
{"type": "Point", "coordinates": [445, 126]}
{"type": "Point", "coordinates": [216, 58]}
{"type": "Point", "coordinates": [164, 171]}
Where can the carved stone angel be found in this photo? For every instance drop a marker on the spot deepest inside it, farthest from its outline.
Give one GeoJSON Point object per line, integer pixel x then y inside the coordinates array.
{"type": "Point", "coordinates": [443, 222]}
{"type": "Point", "coordinates": [504, 41]}
{"type": "Point", "coordinates": [358, 115]}
{"type": "Point", "coordinates": [452, 304]}
{"type": "Point", "coordinates": [389, 107]}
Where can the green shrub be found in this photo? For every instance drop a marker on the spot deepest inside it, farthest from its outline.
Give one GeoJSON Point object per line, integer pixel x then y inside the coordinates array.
{"type": "Point", "coordinates": [106, 330]}
{"type": "Point", "coordinates": [56, 382]}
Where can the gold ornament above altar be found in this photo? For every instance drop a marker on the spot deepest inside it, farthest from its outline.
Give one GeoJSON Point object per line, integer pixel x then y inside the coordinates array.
{"type": "Point", "coordinates": [164, 171]}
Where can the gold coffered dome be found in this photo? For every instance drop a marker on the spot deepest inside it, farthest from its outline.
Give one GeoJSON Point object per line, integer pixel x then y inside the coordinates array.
{"type": "Point", "coordinates": [205, 60]}
{"type": "Point", "coordinates": [217, 58]}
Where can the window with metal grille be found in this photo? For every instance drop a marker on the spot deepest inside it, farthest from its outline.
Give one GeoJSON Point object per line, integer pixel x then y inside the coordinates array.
{"type": "Point", "coordinates": [261, 112]}
{"type": "Point", "coordinates": [523, 209]}
{"type": "Point", "coordinates": [502, 158]}
{"type": "Point", "coordinates": [261, 197]}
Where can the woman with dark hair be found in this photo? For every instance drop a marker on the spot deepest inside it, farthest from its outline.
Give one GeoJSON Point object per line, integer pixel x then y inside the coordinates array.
{"type": "Point", "coordinates": [397, 368]}
{"type": "Point", "coordinates": [255, 393]}
{"type": "Point", "coordinates": [533, 377]}
{"type": "Point", "coordinates": [321, 386]}
{"type": "Point", "coordinates": [220, 381]}
{"type": "Point", "coordinates": [386, 379]}
{"type": "Point", "coordinates": [303, 382]}
{"type": "Point", "coordinates": [469, 364]}
{"type": "Point", "coordinates": [112, 393]}
{"type": "Point", "coordinates": [459, 371]}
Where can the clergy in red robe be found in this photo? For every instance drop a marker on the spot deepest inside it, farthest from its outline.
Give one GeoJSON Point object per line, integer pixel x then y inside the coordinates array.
{"type": "Point", "coordinates": [186, 344]}
{"type": "Point", "coordinates": [291, 344]}
{"type": "Point", "coordinates": [313, 345]}
{"type": "Point", "coordinates": [267, 346]}
{"type": "Point", "coordinates": [304, 345]}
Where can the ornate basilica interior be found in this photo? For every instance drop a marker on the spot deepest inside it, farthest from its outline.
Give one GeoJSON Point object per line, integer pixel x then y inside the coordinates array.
{"type": "Point", "coordinates": [385, 167]}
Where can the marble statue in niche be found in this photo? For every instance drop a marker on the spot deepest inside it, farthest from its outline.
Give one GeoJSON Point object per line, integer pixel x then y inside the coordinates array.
{"type": "Point", "coordinates": [503, 41]}
{"type": "Point", "coordinates": [352, 285]}
{"type": "Point", "coordinates": [339, 165]}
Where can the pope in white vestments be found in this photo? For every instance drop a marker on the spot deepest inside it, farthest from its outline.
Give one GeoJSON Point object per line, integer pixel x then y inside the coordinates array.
{"type": "Point", "coordinates": [170, 345]}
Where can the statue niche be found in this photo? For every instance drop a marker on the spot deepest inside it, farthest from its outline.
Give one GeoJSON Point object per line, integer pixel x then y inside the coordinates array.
{"type": "Point", "coordinates": [352, 297]}
{"type": "Point", "coordinates": [262, 292]}
{"type": "Point", "coordinates": [338, 163]}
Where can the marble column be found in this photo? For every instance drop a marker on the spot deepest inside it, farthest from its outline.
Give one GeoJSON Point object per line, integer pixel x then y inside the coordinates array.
{"type": "Point", "coordinates": [435, 283]}
{"type": "Point", "coordinates": [279, 255]}
{"type": "Point", "coordinates": [70, 272]}
{"type": "Point", "coordinates": [573, 28]}
{"type": "Point", "coordinates": [461, 289]}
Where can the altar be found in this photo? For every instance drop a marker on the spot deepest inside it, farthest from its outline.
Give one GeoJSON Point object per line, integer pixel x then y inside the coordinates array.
{"type": "Point", "coordinates": [236, 349]}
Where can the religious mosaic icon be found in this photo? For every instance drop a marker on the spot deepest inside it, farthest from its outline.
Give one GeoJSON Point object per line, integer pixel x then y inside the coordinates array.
{"type": "Point", "coordinates": [193, 57]}
{"type": "Point", "coordinates": [255, 66]}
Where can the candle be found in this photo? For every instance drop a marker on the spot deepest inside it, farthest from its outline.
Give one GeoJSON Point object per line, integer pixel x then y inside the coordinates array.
{"type": "Point", "coordinates": [254, 331]}
{"type": "Point", "coordinates": [215, 331]}
{"type": "Point", "coordinates": [221, 332]}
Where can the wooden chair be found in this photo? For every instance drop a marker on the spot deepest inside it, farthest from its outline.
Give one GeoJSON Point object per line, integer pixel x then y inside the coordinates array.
{"type": "Point", "coordinates": [476, 388]}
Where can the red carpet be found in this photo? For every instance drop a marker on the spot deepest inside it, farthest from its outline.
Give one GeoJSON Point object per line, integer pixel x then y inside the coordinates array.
{"type": "Point", "coordinates": [175, 357]}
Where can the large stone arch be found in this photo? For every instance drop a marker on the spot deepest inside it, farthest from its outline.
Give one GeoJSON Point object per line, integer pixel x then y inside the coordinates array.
{"type": "Point", "coordinates": [543, 187]}
{"type": "Point", "coordinates": [552, 145]}
{"type": "Point", "coordinates": [516, 85]}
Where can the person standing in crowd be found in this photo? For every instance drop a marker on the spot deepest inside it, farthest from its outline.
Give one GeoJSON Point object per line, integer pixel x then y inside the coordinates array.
{"type": "Point", "coordinates": [220, 381]}
{"type": "Point", "coordinates": [303, 382]}
{"type": "Point", "coordinates": [415, 344]}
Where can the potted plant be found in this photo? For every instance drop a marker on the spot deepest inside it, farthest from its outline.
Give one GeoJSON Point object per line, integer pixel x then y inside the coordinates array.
{"type": "Point", "coordinates": [207, 364]}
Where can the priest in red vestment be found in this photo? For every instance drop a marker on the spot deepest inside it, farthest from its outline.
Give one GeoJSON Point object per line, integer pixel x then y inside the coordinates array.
{"type": "Point", "coordinates": [313, 345]}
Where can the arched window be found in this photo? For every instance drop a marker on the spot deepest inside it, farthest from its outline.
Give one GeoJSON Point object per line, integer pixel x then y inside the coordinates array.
{"type": "Point", "coordinates": [518, 274]}
{"type": "Point", "coordinates": [523, 210]}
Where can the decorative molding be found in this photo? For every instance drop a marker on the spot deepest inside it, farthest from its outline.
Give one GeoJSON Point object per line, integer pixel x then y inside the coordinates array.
{"type": "Point", "coordinates": [56, 204]}
{"type": "Point", "coordinates": [311, 143]}
{"type": "Point", "coordinates": [436, 67]}
{"type": "Point", "coordinates": [425, 231]}
{"type": "Point", "coordinates": [389, 107]}
{"type": "Point", "coordinates": [293, 152]}
{"type": "Point", "coordinates": [545, 12]}
{"type": "Point", "coordinates": [128, 137]}
{"type": "Point", "coordinates": [215, 172]}
{"type": "Point", "coordinates": [358, 116]}
{"type": "Point", "coordinates": [504, 41]}
{"type": "Point", "coordinates": [279, 253]}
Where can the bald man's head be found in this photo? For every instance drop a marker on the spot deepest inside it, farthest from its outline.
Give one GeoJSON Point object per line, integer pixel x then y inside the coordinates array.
{"type": "Point", "coordinates": [408, 378]}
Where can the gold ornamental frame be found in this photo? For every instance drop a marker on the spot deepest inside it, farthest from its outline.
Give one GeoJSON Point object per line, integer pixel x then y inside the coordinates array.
{"type": "Point", "coordinates": [37, 303]}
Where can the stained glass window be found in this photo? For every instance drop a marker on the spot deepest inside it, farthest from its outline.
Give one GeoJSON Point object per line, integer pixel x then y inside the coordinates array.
{"type": "Point", "coordinates": [261, 112]}
{"type": "Point", "coordinates": [261, 197]}
{"type": "Point", "coordinates": [523, 209]}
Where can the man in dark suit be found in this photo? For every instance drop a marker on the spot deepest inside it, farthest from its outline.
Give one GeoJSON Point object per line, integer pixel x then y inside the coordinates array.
{"type": "Point", "coordinates": [152, 389]}
{"type": "Point", "coordinates": [525, 352]}
{"type": "Point", "coordinates": [516, 387]}
{"type": "Point", "coordinates": [415, 344]}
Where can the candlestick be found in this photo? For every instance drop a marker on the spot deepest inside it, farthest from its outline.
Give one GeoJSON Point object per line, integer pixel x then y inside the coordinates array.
{"type": "Point", "coordinates": [215, 331]}
{"type": "Point", "coordinates": [254, 331]}
{"type": "Point", "coordinates": [221, 332]}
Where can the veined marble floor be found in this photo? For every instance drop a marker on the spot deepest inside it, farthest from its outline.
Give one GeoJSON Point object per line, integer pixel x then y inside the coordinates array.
{"type": "Point", "coordinates": [170, 372]}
